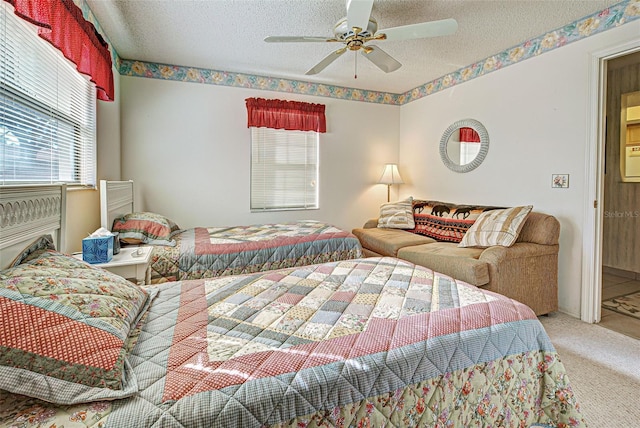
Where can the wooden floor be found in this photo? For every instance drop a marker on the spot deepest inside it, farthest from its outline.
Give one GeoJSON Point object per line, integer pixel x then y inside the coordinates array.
{"type": "Point", "coordinates": [614, 286]}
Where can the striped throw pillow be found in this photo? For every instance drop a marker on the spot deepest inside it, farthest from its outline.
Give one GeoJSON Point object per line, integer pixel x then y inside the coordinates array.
{"type": "Point", "coordinates": [145, 228]}
{"type": "Point", "coordinates": [496, 227]}
{"type": "Point", "coordinates": [397, 215]}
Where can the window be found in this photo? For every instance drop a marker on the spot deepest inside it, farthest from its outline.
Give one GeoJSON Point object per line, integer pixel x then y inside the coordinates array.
{"type": "Point", "coordinates": [284, 153]}
{"type": "Point", "coordinates": [469, 145]}
{"type": "Point", "coordinates": [284, 169]}
{"type": "Point", "coordinates": [47, 110]}
{"type": "Point", "coordinates": [468, 152]}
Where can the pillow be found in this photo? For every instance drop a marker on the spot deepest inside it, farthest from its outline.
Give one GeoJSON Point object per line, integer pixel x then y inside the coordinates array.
{"type": "Point", "coordinates": [44, 242]}
{"type": "Point", "coordinates": [145, 228]}
{"type": "Point", "coordinates": [66, 330]}
{"type": "Point", "coordinates": [436, 220]}
{"type": "Point", "coordinates": [496, 227]}
{"type": "Point", "coordinates": [444, 221]}
{"type": "Point", "coordinates": [397, 215]}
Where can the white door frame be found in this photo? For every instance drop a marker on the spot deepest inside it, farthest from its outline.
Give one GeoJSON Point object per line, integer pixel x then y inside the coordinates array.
{"type": "Point", "coordinates": [594, 175]}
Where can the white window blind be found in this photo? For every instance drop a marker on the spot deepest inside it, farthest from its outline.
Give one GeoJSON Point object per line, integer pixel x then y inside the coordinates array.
{"type": "Point", "coordinates": [47, 110]}
{"type": "Point", "coordinates": [284, 169]}
{"type": "Point", "coordinates": [468, 152]}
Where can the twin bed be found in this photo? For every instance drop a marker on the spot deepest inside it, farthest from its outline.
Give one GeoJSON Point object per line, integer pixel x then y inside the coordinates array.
{"type": "Point", "coordinates": [204, 252]}
{"type": "Point", "coordinates": [357, 342]}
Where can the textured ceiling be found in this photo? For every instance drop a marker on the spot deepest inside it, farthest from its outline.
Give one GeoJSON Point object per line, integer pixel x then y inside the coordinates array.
{"type": "Point", "coordinates": [228, 35]}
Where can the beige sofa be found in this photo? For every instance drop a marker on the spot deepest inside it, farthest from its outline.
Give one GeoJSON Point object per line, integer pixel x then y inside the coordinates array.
{"type": "Point", "coordinates": [527, 271]}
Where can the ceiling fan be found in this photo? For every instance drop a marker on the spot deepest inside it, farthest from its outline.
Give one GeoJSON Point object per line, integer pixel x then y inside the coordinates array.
{"type": "Point", "coordinates": [358, 28]}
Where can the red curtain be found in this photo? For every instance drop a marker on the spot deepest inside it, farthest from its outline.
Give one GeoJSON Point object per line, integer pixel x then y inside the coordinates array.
{"type": "Point", "coordinates": [62, 24]}
{"type": "Point", "coordinates": [469, 135]}
{"type": "Point", "coordinates": [289, 115]}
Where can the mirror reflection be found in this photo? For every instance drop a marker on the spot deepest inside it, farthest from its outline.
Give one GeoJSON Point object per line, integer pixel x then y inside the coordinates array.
{"type": "Point", "coordinates": [464, 145]}
{"type": "Point", "coordinates": [630, 137]}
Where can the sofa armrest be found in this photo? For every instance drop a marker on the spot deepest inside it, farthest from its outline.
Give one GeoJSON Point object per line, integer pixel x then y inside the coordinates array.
{"type": "Point", "coordinates": [371, 223]}
{"type": "Point", "coordinates": [540, 228]}
{"type": "Point", "coordinates": [525, 272]}
{"type": "Point", "coordinates": [498, 254]}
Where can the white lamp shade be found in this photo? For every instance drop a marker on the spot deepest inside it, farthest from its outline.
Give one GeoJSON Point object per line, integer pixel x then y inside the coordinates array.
{"type": "Point", "coordinates": [390, 175]}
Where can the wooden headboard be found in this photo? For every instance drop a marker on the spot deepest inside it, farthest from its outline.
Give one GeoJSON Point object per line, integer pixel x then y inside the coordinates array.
{"type": "Point", "coordinates": [28, 212]}
{"type": "Point", "coordinates": [116, 200]}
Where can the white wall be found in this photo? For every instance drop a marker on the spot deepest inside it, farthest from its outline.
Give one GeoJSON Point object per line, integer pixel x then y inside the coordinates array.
{"type": "Point", "coordinates": [536, 114]}
{"type": "Point", "coordinates": [187, 147]}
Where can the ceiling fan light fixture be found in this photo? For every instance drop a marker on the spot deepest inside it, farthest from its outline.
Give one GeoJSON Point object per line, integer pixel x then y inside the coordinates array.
{"type": "Point", "coordinates": [355, 44]}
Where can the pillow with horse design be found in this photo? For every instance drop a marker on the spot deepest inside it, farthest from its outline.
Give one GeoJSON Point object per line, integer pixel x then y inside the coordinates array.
{"type": "Point", "coordinates": [445, 221]}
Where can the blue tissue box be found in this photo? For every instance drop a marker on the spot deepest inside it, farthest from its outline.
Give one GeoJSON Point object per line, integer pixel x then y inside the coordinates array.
{"type": "Point", "coordinates": [98, 249]}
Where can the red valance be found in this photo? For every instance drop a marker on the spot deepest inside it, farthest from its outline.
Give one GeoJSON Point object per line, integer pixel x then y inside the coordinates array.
{"type": "Point", "coordinates": [62, 24]}
{"type": "Point", "coordinates": [289, 115]}
{"type": "Point", "coordinates": [469, 135]}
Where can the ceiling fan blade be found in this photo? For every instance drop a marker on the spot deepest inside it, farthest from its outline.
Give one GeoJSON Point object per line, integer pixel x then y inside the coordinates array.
{"type": "Point", "coordinates": [443, 27]}
{"type": "Point", "coordinates": [326, 61]}
{"type": "Point", "coordinates": [293, 39]}
{"type": "Point", "coordinates": [381, 59]}
{"type": "Point", "coordinates": [358, 13]}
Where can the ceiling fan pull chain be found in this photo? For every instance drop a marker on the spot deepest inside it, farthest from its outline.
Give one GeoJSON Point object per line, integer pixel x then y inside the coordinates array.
{"type": "Point", "coordinates": [355, 72]}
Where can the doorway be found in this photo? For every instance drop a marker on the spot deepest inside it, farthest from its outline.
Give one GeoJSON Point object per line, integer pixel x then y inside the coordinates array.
{"type": "Point", "coordinates": [620, 310]}
{"type": "Point", "coordinates": [595, 275]}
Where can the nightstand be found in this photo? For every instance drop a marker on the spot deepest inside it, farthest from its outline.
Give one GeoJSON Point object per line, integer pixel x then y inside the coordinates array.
{"type": "Point", "coordinates": [132, 263]}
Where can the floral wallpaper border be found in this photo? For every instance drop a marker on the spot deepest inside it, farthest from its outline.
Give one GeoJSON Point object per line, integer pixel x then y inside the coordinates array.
{"type": "Point", "coordinates": [614, 16]}
{"type": "Point", "coordinates": [606, 19]}
{"type": "Point", "coordinates": [240, 80]}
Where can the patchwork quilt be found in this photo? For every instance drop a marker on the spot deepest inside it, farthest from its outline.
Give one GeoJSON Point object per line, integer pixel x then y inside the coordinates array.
{"type": "Point", "coordinates": [206, 252]}
{"type": "Point", "coordinates": [357, 343]}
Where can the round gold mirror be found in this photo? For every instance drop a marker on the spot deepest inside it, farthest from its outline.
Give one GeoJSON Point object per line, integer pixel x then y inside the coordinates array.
{"type": "Point", "coordinates": [464, 145]}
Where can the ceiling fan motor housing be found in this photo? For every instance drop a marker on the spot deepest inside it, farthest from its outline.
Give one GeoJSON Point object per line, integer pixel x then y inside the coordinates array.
{"type": "Point", "coordinates": [343, 32]}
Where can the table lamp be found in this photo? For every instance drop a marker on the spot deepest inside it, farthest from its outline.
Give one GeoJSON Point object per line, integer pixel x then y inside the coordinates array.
{"type": "Point", "coordinates": [390, 176]}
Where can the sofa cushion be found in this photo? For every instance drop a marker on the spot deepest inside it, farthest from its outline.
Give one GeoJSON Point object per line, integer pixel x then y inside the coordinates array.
{"type": "Point", "coordinates": [397, 215]}
{"type": "Point", "coordinates": [497, 227]}
{"type": "Point", "coordinates": [387, 242]}
{"type": "Point", "coordinates": [445, 221]}
{"type": "Point", "coordinates": [449, 259]}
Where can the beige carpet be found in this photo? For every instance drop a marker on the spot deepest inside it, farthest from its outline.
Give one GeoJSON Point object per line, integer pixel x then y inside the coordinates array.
{"type": "Point", "coordinates": [603, 369]}
{"type": "Point", "coordinates": [627, 305]}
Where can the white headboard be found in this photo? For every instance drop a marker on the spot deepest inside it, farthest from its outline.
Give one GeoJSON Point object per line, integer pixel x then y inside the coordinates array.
{"type": "Point", "coordinates": [27, 212]}
{"type": "Point", "coordinates": [116, 199]}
